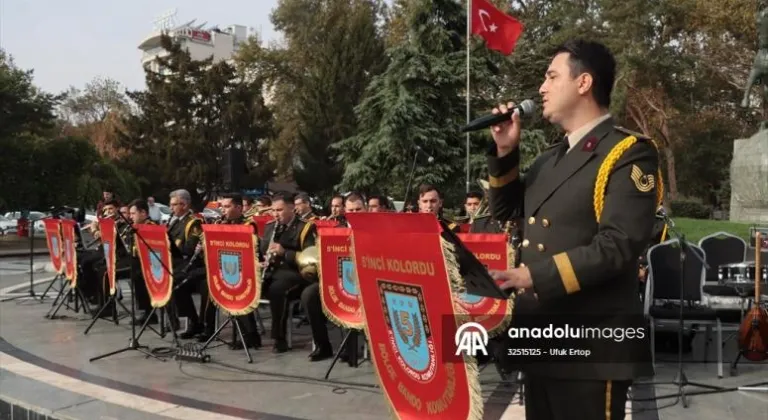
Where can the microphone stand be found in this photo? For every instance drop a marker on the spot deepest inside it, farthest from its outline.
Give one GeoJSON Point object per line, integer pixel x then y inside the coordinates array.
{"type": "Point", "coordinates": [133, 342]}
{"type": "Point", "coordinates": [681, 380]}
{"type": "Point", "coordinates": [410, 176]}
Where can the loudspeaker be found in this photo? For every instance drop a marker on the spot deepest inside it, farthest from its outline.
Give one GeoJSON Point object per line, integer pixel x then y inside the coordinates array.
{"type": "Point", "coordinates": [233, 167]}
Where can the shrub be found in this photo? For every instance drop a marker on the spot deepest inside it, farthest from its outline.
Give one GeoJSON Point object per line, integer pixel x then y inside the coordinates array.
{"type": "Point", "coordinates": [690, 208]}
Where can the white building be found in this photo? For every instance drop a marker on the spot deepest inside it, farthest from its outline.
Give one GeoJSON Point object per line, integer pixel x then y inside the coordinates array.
{"type": "Point", "coordinates": [201, 42]}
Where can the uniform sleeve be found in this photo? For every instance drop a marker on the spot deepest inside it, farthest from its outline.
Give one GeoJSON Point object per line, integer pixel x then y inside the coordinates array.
{"type": "Point", "coordinates": [624, 230]}
{"type": "Point", "coordinates": [506, 189]}
{"type": "Point", "coordinates": [192, 232]}
{"type": "Point", "coordinates": [307, 238]}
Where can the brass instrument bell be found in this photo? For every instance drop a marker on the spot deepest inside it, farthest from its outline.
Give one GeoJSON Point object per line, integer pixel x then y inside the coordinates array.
{"type": "Point", "coordinates": [308, 260]}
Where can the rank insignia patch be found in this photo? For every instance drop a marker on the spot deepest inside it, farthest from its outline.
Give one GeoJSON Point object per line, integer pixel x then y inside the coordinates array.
{"type": "Point", "coordinates": [643, 183]}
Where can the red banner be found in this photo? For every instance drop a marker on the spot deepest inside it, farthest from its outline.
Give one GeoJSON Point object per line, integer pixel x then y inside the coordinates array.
{"type": "Point", "coordinates": [109, 244]}
{"type": "Point", "coordinates": [70, 255]}
{"type": "Point", "coordinates": [338, 282]}
{"type": "Point", "coordinates": [261, 221]}
{"type": "Point", "coordinates": [406, 281]}
{"type": "Point", "coordinates": [493, 251]}
{"type": "Point", "coordinates": [230, 263]}
{"type": "Point", "coordinates": [53, 239]}
{"type": "Point", "coordinates": [156, 264]}
{"type": "Point", "coordinates": [325, 223]}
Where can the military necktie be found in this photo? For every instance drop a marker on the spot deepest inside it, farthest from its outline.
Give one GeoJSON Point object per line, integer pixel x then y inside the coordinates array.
{"type": "Point", "coordinates": [562, 149]}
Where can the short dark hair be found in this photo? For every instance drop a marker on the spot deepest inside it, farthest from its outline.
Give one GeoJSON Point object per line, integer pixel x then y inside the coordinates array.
{"type": "Point", "coordinates": [596, 59]}
{"type": "Point", "coordinates": [114, 203]}
{"type": "Point", "coordinates": [474, 194]}
{"type": "Point", "coordinates": [425, 188]}
{"type": "Point", "coordinates": [140, 205]}
{"type": "Point", "coordinates": [248, 200]}
{"type": "Point", "coordinates": [235, 197]}
{"type": "Point", "coordinates": [335, 196]}
{"type": "Point", "coordinates": [285, 197]}
{"type": "Point", "coordinates": [264, 200]}
{"type": "Point", "coordinates": [304, 197]}
{"type": "Point", "coordinates": [354, 196]}
{"type": "Point", "coordinates": [383, 201]}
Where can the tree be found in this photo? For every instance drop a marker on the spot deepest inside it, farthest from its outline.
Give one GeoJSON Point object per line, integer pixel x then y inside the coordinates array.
{"type": "Point", "coordinates": [25, 109]}
{"type": "Point", "coordinates": [332, 49]}
{"type": "Point", "coordinates": [190, 114]}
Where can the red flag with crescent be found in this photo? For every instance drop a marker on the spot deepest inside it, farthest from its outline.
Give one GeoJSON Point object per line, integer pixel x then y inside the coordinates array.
{"type": "Point", "coordinates": [230, 263]}
{"type": "Point", "coordinates": [338, 282]}
{"type": "Point", "coordinates": [493, 251]}
{"type": "Point", "coordinates": [70, 255]}
{"type": "Point", "coordinates": [261, 221]}
{"type": "Point", "coordinates": [407, 275]}
{"type": "Point", "coordinates": [154, 249]}
{"type": "Point", "coordinates": [53, 239]}
{"type": "Point", "coordinates": [109, 245]}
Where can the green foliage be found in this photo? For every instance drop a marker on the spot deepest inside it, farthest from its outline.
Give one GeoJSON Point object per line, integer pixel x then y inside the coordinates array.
{"type": "Point", "coordinates": [690, 208]}
{"type": "Point", "coordinates": [25, 109]}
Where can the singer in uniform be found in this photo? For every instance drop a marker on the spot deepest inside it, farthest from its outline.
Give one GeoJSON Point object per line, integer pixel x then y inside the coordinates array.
{"type": "Point", "coordinates": [283, 239]}
{"type": "Point", "coordinates": [184, 230]}
{"type": "Point", "coordinates": [588, 206]}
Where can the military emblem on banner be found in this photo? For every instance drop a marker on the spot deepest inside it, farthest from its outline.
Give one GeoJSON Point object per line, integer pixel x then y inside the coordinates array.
{"type": "Point", "coordinates": [52, 235]}
{"type": "Point", "coordinates": [108, 238]}
{"type": "Point", "coordinates": [70, 257]}
{"type": "Point", "coordinates": [408, 327]}
{"type": "Point", "coordinates": [340, 294]}
{"type": "Point", "coordinates": [346, 272]}
{"type": "Point", "coordinates": [231, 267]}
{"type": "Point", "coordinates": [494, 251]}
{"type": "Point", "coordinates": [156, 264]}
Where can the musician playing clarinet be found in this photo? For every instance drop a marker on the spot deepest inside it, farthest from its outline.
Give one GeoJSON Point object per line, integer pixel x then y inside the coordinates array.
{"type": "Point", "coordinates": [283, 239]}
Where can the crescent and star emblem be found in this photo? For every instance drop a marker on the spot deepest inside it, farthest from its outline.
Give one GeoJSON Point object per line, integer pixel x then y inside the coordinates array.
{"type": "Point", "coordinates": [483, 14]}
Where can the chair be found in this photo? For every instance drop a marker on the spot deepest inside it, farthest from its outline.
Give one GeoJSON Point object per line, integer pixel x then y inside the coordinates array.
{"type": "Point", "coordinates": [663, 299]}
{"type": "Point", "coordinates": [722, 248]}
{"type": "Point", "coordinates": [293, 309]}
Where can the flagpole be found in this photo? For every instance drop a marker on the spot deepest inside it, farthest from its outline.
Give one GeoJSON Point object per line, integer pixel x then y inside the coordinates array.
{"type": "Point", "coordinates": [469, 34]}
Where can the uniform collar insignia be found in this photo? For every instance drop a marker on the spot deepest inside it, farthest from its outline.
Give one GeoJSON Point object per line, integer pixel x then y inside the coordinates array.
{"type": "Point", "coordinates": [589, 144]}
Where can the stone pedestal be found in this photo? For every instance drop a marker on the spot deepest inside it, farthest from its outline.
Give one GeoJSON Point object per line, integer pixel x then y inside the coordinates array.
{"type": "Point", "coordinates": [749, 179]}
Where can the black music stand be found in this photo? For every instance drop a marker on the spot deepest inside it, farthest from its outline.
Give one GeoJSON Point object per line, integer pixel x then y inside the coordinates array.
{"type": "Point", "coordinates": [72, 293]}
{"type": "Point", "coordinates": [133, 342]}
{"type": "Point", "coordinates": [681, 380]}
{"type": "Point", "coordinates": [112, 301]}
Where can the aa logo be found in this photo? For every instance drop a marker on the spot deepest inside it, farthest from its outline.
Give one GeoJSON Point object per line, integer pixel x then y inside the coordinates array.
{"type": "Point", "coordinates": [471, 339]}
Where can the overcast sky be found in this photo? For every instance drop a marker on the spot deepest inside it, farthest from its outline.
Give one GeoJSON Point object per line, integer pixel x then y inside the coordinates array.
{"type": "Point", "coordinates": [69, 42]}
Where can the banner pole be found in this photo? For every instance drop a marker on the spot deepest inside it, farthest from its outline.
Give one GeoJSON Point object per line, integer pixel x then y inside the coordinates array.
{"type": "Point", "coordinates": [469, 34]}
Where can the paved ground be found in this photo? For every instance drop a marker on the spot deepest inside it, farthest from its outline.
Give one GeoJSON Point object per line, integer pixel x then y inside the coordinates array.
{"type": "Point", "coordinates": [44, 363]}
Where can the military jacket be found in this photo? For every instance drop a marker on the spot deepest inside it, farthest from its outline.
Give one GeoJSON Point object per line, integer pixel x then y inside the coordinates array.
{"type": "Point", "coordinates": [308, 217]}
{"type": "Point", "coordinates": [132, 240]}
{"type": "Point", "coordinates": [185, 234]}
{"type": "Point", "coordinates": [485, 224]}
{"type": "Point", "coordinates": [294, 237]}
{"type": "Point", "coordinates": [581, 266]}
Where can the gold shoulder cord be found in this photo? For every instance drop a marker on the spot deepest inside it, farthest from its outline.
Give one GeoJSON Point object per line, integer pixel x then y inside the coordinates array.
{"type": "Point", "coordinates": [607, 167]}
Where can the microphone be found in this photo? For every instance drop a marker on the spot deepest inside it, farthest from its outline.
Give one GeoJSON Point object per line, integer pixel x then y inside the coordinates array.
{"type": "Point", "coordinates": [525, 108]}
{"type": "Point", "coordinates": [661, 214]}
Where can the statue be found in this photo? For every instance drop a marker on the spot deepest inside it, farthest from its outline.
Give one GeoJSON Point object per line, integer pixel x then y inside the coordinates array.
{"type": "Point", "coordinates": [760, 67]}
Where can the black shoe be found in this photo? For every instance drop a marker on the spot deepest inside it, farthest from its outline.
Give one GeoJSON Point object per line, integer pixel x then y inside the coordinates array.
{"type": "Point", "coordinates": [204, 336]}
{"type": "Point", "coordinates": [321, 353]}
{"type": "Point", "coordinates": [280, 346]}
{"type": "Point", "coordinates": [191, 332]}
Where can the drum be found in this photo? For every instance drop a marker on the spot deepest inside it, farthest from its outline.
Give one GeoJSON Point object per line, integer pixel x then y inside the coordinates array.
{"type": "Point", "coordinates": [740, 273]}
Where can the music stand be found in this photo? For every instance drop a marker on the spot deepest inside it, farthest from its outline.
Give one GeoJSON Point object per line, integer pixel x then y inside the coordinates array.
{"type": "Point", "coordinates": [133, 342]}
{"type": "Point", "coordinates": [71, 292]}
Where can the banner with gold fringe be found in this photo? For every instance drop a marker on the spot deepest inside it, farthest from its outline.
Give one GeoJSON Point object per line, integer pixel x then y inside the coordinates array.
{"type": "Point", "coordinates": [231, 268]}
{"type": "Point", "coordinates": [70, 254]}
{"type": "Point", "coordinates": [338, 282]}
{"type": "Point", "coordinates": [53, 240]}
{"type": "Point", "coordinates": [492, 250]}
{"type": "Point", "coordinates": [154, 249]}
{"type": "Point", "coordinates": [407, 276]}
{"type": "Point", "coordinates": [109, 244]}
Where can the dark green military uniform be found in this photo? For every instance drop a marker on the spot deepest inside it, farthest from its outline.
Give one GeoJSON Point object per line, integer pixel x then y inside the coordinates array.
{"type": "Point", "coordinates": [308, 217]}
{"type": "Point", "coordinates": [485, 224]}
{"type": "Point", "coordinates": [282, 281]}
{"type": "Point", "coordinates": [184, 233]}
{"type": "Point", "coordinates": [581, 268]}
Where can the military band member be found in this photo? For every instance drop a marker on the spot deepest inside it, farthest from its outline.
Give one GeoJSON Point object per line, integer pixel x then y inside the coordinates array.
{"type": "Point", "coordinates": [283, 239]}
{"type": "Point", "coordinates": [337, 208]}
{"type": "Point", "coordinates": [139, 211]}
{"type": "Point", "coordinates": [303, 207]}
{"type": "Point", "coordinates": [572, 263]}
{"type": "Point", "coordinates": [263, 205]}
{"type": "Point", "coordinates": [91, 261]}
{"type": "Point", "coordinates": [184, 230]}
{"type": "Point", "coordinates": [378, 203]}
{"type": "Point", "coordinates": [248, 206]}
{"type": "Point", "coordinates": [232, 211]}
{"type": "Point", "coordinates": [431, 201]}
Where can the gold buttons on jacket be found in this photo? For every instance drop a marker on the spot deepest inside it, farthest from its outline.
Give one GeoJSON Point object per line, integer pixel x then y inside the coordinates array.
{"type": "Point", "coordinates": [545, 222]}
{"type": "Point", "coordinates": [540, 247]}
{"type": "Point", "coordinates": [531, 220]}
{"type": "Point", "coordinates": [526, 242]}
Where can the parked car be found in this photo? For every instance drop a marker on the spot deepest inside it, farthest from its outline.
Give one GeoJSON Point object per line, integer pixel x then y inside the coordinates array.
{"type": "Point", "coordinates": [7, 226]}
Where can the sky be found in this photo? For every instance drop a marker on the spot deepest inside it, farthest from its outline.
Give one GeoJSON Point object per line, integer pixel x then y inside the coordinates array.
{"type": "Point", "coordinates": [69, 43]}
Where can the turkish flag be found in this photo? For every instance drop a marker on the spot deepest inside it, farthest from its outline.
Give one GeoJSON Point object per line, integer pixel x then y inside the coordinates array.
{"type": "Point", "coordinates": [499, 30]}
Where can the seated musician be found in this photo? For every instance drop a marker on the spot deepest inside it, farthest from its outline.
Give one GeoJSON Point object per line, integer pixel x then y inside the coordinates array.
{"type": "Point", "coordinates": [92, 263]}
{"type": "Point", "coordinates": [337, 208]}
{"type": "Point", "coordinates": [139, 211]}
{"type": "Point", "coordinates": [431, 201]}
{"type": "Point", "coordinates": [184, 230]}
{"type": "Point", "coordinates": [283, 283]}
{"type": "Point", "coordinates": [303, 207]}
{"type": "Point", "coordinates": [378, 204]}
{"type": "Point", "coordinates": [310, 298]}
{"type": "Point", "coordinates": [232, 214]}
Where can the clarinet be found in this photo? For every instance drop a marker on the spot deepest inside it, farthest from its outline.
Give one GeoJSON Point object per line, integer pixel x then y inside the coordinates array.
{"type": "Point", "coordinates": [271, 257]}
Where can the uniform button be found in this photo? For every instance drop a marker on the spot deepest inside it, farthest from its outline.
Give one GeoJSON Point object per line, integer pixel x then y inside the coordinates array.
{"type": "Point", "coordinates": [531, 220]}
{"type": "Point", "coordinates": [526, 242]}
{"type": "Point", "coordinates": [540, 247]}
{"type": "Point", "coordinates": [545, 222]}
